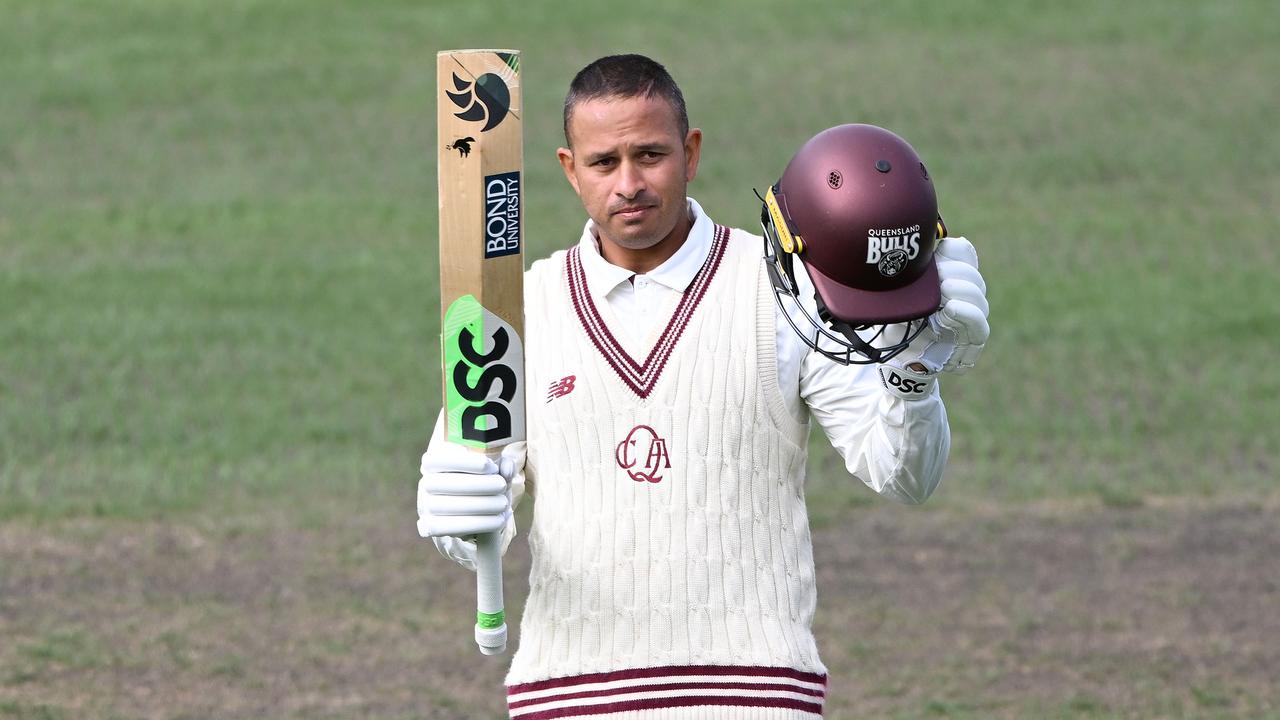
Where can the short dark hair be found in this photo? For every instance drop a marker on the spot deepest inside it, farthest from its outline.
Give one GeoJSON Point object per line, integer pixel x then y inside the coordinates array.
{"type": "Point", "coordinates": [624, 76]}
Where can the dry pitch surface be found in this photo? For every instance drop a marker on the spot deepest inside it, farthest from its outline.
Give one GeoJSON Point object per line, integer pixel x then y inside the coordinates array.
{"type": "Point", "coordinates": [1165, 610]}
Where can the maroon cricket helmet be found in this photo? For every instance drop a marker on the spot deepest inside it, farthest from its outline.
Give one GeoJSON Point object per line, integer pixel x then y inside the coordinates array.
{"type": "Point", "coordinates": [857, 207]}
{"type": "Point", "coordinates": [865, 208]}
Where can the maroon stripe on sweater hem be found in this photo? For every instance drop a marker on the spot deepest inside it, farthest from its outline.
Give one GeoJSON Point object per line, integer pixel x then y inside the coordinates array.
{"type": "Point", "coordinates": [675, 702]}
{"type": "Point", "coordinates": [673, 671]}
{"type": "Point", "coordinates": [669, 686]}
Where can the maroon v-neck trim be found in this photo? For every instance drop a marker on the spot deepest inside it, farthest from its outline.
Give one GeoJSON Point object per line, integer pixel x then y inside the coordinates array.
{"type": "Point", "coordinates": [641, 378]}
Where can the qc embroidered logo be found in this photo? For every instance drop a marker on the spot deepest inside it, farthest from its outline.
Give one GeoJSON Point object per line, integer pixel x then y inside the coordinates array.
{"type": "Point", "coordinates": [644, 442]}
{"type": "Point", "coordinates": [561, 387]}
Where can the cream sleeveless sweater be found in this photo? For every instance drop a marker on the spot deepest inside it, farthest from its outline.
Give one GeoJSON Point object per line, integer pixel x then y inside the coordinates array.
{"type": "Point", "coordinates": [672, 568]}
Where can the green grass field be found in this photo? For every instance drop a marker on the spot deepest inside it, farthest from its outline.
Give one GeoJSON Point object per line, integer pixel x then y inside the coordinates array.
{"type": "Point", "coordinates": [217, 221]}
{"type": "Point", "coordinates": [216, 226]}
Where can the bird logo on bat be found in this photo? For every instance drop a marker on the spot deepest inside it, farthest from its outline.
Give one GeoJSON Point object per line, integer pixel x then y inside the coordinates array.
{"type": "Point", "coordinates": [462, 145]}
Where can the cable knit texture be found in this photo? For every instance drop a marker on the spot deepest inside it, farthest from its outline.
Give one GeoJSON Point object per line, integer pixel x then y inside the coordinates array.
{"type": "Point", "coordinates": [672, 566]}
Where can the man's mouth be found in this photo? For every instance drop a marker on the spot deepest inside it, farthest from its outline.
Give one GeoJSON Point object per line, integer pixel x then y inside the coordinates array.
{"type": "Point", "coordinates": [632, 211]}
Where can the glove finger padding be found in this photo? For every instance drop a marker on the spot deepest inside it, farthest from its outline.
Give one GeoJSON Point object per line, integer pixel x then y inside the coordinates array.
{"type": "Point", "coordinates": [968, 325]}
{"type": "Point", "coordinates": [954, 270]}
{"type": "Point", "coordinates": [461, 505]}
{"type": "Point", "coordinates": [462, 484]}
{"type": "Point", "coordinates": [447, 457]}
{"type": "Point", "coordinates": [958, 249]}
{"type": "Point", "coordinates": [464, 514]}
{"type": "Point", "coordinates": [459, 526]}
{"type": "Point", "coordinates": [966, 322]}
{"type": "Point", "coordinates": [957, 290]}
{"type": "Point", "coordinates": [964, 358]}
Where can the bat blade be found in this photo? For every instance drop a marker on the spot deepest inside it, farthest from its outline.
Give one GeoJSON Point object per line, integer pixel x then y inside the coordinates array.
{"type": "Point", "coordinates": [480, 174]}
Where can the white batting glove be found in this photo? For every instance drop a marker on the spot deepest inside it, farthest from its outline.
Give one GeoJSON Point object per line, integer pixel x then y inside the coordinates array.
{"type": "Point", "coordinates": [956, 333]}
{"type": "Point", "coordinates": [462, 494]}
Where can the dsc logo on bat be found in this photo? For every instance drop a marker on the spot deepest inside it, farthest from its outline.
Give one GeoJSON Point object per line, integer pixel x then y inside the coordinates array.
{"type": "Point", "coordinates": [484, 374]}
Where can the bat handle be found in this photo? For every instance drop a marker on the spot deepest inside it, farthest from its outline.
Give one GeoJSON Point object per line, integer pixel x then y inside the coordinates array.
{"type": "Point", "coordinates": [491, 621]}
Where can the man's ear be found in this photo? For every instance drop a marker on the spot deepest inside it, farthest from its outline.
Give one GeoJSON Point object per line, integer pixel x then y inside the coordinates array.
{"type": "Point", "coordinates": [692, 152]}
{"type": "Point", "coordinates": [565, 155]}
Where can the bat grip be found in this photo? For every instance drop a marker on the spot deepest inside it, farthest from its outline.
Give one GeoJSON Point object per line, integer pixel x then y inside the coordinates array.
{"type": "Point", "coordinates": [491, 622]}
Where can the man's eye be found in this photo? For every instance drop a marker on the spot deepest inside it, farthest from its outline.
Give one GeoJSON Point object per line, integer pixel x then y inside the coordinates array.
{"type": "Point", "coordinates": [604, 162]}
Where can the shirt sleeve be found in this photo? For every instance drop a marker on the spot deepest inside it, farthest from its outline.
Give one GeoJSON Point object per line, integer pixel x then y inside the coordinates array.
{"type": "Point", "coordinates": [896, 447]}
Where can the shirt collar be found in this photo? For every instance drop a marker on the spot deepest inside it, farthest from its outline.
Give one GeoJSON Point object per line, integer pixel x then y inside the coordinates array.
{"type": "Point", "coordinates": [676, 272]}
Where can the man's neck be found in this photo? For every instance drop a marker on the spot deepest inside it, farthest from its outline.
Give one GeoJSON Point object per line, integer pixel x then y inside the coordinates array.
{"type": "Point", "coordinates": [646, 259]}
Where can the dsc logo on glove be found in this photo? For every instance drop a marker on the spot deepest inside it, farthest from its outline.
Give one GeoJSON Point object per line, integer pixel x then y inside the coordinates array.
{"type": "Point", "coordinates": [906, 385]}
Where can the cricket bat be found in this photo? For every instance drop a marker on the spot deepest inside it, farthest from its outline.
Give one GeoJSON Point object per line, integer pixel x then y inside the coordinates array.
{"type": "Point", "coordinates": [480, 159]}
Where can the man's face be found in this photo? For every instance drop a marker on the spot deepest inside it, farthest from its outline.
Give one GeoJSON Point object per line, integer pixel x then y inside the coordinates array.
{"type": "Point", "coordinates": [630, 166]}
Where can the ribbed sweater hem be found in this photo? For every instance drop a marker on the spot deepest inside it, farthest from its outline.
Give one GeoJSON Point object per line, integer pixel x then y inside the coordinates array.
{"type": "Point", "coordinates": [713, 692]}
{"type": "Point", "coordinates": [703, 712]}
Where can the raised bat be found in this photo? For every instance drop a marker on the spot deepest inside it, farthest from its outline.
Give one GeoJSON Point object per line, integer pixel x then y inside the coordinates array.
{"type": "Point", "coordinates": [480, 159]}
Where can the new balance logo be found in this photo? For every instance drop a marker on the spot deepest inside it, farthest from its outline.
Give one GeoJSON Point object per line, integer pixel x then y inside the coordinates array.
{"type": "Point", "coordinates": [561, 387]}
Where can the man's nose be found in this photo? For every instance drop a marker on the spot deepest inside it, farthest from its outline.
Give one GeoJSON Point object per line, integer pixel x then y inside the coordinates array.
{"type": "Point", "coordinates": [630, 180]}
